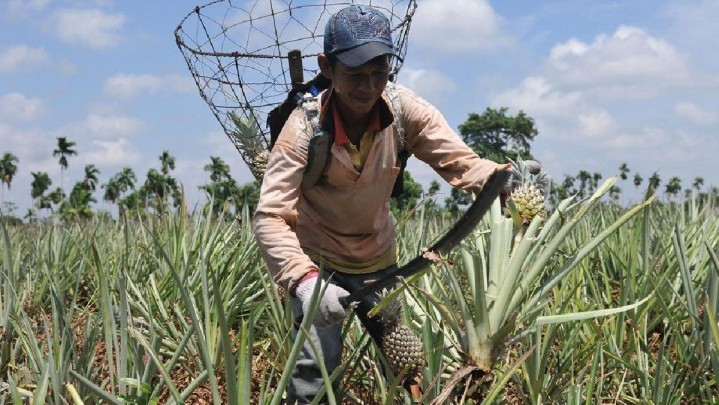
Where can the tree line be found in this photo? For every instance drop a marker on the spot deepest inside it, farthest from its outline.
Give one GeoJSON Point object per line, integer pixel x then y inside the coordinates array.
{"type": "Point", "coordinates": [494, 134]}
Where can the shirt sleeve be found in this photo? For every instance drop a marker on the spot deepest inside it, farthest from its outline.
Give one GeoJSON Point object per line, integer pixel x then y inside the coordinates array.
{"type": "Point", "coordinates": [430, 138]}
{"type": "Point", "coordinates": [275, 219]}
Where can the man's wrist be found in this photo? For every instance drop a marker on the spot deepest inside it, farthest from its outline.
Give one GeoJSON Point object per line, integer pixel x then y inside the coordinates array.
{"type": "Point", "coordinates": [308, 276]}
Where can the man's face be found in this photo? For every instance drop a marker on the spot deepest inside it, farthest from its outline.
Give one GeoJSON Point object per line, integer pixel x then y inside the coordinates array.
{"type": "Point", "coordinates": [358, 88]}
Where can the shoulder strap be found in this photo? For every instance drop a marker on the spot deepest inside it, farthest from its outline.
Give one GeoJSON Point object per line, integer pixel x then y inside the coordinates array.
{"type": "Point", "coordinates": [319, 149]}
{"type": "Point", "coordinates": [398, 123]}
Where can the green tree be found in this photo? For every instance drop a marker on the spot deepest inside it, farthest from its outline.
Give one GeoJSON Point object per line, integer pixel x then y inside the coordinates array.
{"type": "Point", "coordinates": [64, 149]}
{"type": "Point", "coordinates": [77, 206]}
{"type": "Point", "coordinates": [217, 168]}
{"type": "Point", "coordinates": [157, 189]}
{"type": "Point", "coordinates": [40, 184]}
{"type": "Point", "coordinates": [247, 196]}
{"type": "Point", "coordinates": [90, 181]}
{"type": "Point", "coordinates": [8, 169]}
{"type": "Point", "coordinates": [673, 187]}
{"type": "Point", "coordinates": [457, 199]}
{"type": "Point", "coordinates": [585, 183]}
{"type": "Point", "coordinates": [562, 190]}
{"type": "Point", "coordinates": [654, 181]}
{"type": "Point", "coordinates": [495, 135]}
{"type": "Point", "coordinates": [167, 162]}
{"type": "Point", "coordinates": [431, 203]}
{"type": "Point", "coordinates": [638, 180]}
{"type": "Point", "coordinates": [56, 197]}
{"type": "Point", "coordinates": [222, 190]}
{"type": "Point", "coordinates": [595, 182]}
{"type": "Point", "coordinates": [698, 183]}
{"type": "Point", "coordinates": [119, 184]}
{"type": "Point", "coordinates": [623, 170]}
{"type": "Point", "coordinates": [159, 186]}
{"type": "Point", "coordinates": [30, 216]}
{"type": "Point", "coordinates": [411, 193]}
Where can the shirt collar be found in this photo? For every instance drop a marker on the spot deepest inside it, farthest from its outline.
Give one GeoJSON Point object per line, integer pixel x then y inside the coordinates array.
{"type": "Point", "coordinates": [382, 115]}
{"type": "Point", "coordinates": [341, 137]}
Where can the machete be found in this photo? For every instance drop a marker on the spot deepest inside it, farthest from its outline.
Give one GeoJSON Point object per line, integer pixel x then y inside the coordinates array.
{"type": "Point", "coordinates": [461, 229]}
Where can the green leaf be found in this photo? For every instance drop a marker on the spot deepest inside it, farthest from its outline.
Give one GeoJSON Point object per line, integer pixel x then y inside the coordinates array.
{"type": "Point", "coordinates": [579, 316]}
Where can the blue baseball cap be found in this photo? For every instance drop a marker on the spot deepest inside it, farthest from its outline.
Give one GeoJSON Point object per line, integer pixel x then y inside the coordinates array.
{"type": "Point", "coordinates": [358, 34]}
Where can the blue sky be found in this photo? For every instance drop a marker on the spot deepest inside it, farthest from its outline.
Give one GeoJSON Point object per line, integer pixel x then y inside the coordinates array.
{"type": "Point", "coordinates": [606, 82]}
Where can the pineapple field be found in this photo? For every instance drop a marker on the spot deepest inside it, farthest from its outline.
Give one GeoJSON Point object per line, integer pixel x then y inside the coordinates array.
{"type": "Point", "coordinates": [590, 303]}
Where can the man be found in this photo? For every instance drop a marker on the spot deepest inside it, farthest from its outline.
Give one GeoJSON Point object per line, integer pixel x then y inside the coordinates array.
{"type": "Point", "coordinates": [342, 225]}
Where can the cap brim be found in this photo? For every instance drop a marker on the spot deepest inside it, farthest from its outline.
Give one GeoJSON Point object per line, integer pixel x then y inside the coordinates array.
{"type": "Point", "coordinates": [362, 54]}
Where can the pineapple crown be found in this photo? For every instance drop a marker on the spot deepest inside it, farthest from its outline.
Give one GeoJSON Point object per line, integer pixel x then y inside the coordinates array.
{"type": "Point", "coordinates": [247, 133]}
{"type": "Point", "coordinates": [391, 307]}
{"type": "Point", "coordinates": [529, 172]}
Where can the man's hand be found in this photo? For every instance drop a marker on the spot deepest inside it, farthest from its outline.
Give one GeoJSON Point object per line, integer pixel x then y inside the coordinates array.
{"type": "Point", "coordinates": [329, 309]}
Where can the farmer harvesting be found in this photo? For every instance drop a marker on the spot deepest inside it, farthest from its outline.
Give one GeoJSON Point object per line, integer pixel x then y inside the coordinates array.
{"type": "Point", "coordinates": [340, 231]}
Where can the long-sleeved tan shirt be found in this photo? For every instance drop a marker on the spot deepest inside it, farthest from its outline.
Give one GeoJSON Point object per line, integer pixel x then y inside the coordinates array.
{"type": "Point", "coordinates": [346, 214]}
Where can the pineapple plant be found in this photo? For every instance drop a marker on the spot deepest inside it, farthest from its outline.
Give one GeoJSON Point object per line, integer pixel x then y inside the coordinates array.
{"type": "Point", "coordinates": [248, 137]}
{"type": "Point", "coordinates": [528, 189]}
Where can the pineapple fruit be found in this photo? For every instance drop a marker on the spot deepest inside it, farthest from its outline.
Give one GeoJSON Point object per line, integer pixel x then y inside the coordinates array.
{"type": "Point", "coordinates": [400, 345]}
{"type": "Point", "coordinates": [248, 136]}
{"type": "Point", "coordinates": [528, 186]}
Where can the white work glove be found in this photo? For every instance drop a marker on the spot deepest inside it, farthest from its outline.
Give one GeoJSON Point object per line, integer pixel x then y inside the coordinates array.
{"type": "Point", "coordinates": [329, 310]}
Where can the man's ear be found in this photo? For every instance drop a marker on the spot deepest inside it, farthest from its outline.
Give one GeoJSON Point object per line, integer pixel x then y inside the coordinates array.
{"type": "Point", "coordinates": [325, 68]}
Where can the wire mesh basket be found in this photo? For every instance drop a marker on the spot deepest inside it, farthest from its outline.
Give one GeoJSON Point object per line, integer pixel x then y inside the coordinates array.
{"type": "Point", "coordinates": [240, 54]}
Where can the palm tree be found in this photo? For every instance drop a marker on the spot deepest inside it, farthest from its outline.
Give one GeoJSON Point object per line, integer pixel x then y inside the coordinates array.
{"type": "Point", "coordinates": [55, 197]}
{"type": "Point", "coordinates": [119, 184]}
{"type": "Point", "coordinates": [637, 180]}
{"type": "Point", "coordinates": [64, 149]}
{"type": "Point", "coordinates": [167, 162]}
{"type": "Point", "coordinates": [674, 186]}
{"type": "Point", "coordinates": [595, 181]}
{"type": "Point", "coordinates": [218, 169]}
{"type": "Point", "coordinates": [90, 181]}
{"type": "Point", "coordinates": [157, 188]}
{"type": "Point", "coordinates": [77, 206]}
{"type": "Point", "coordinates": [584, 182]}
{"type": "Point", "coordinates": [8, 169]}
{"type": "Point", "coordinates": [623, 170]}
{"type": "Point", "coordinates": [654, 181]}
{"type": "Point", "coordinates": [222, 188]}
{"type": "Point", "coordinates": [126, 179]}
{"type": "Point", "coordinates": [40, 184]}
{"type": "Point", "coordinates": [30, 216]}
{"type": "Point", "coordinates": [698, 183]}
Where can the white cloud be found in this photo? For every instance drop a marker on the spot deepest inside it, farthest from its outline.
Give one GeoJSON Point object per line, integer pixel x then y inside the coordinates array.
{"type": "Point", "coordinates": [595, 122]}
{"type": "Point", "coordinates": [457, 26]}
{"type": "Point", "coordinates": [696, 114]}
{"type": "Point", "coordinates": [20, 58]}
{"type": "Point", "coordinates": [537, 96]}
{"type": "Point", "coordinates": [629, 63]}
{"type": "Point", "coordinates": [432, 85]}
{"type": "Point", "coordinates": [127, 86]}
{"type": "Point", "coordinates": [112, 153]}
{"type": "Point", "coordinates": [25, 8]}
{"type": "Point", "coordinates": [18, 107]}
{"type": "Point", "coordinates": [89, 27]}
{"type": "Point", "coordinates": [109, 126]}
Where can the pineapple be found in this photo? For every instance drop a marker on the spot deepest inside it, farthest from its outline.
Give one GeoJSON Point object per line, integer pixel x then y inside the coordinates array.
{"type": "Point", "coordinates": [247, 135]}
{"type": "Point", "coordinates": [528, 186]}
{"type": "Point", "coordinates": [400, 346]}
